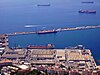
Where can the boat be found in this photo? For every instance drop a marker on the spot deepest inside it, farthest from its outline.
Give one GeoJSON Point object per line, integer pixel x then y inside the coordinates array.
{"type": "Point", "coordinates": [30, 26]}
{"type": "Point", "coordinates": [46, 31]}
{"type": "Point", "coordinates": [98, 61]}
{"type": "Point", "coordinates": [43, 5]}
{"type": "Point", "coordinates": [49, 46]}
{"type": "Point", "coordinates": [87, 11]}
{"type": "Point", "coordinates": [87, 2]}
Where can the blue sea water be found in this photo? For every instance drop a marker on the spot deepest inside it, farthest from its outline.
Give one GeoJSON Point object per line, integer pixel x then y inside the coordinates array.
{"type": "Point", "coordinates": [15, 14]}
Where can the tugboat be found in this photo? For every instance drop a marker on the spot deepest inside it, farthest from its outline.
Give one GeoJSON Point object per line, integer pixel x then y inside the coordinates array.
{"type": "Point", "coordinates": [87, 11]}
{"type": "Point", "coordinates": [49, 46]}
{"type": "Point", "coordinates": [46, 31]}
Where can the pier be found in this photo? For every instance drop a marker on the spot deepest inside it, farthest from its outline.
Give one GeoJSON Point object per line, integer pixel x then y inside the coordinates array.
{"type": "Point", "coordinates": [58, 30]}
{"type": "Point", "coordinates": [20, 33]}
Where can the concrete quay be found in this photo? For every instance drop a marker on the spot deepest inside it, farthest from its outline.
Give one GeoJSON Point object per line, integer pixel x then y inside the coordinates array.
{"type": "Point", "coordinates": [61, 61]}
{"type": "Point", "coordinates": [68, 57]}
{"type": "Point", "coordinates": [20, 33]}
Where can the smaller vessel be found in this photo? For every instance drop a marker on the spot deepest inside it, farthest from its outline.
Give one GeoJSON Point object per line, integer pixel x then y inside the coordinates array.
{"type": "Point", "coordinates": [43, 5]}
{"type": "Point", "coordinates": [87, 11]}
{"type": "Point", "coordinates": [30, 26]}
{"type": "Point", "coordinates": [81, 47]}
{"type": "Point", "coordinates": [49, 46]}
{"type": "Point", "coordinates": [88, 2]}
{"type": "Point", "coordinates": [46, 31]}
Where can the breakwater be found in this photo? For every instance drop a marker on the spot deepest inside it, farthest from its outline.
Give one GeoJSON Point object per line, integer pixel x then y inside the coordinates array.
{"type": "Point", "coordinates": [58, 30]}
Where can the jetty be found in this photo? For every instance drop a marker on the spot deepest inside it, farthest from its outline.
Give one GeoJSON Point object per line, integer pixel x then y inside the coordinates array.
{"type": "Point", "coordinates": [20, 33]}
{"type": "Point", "coordinates": [57, 30]}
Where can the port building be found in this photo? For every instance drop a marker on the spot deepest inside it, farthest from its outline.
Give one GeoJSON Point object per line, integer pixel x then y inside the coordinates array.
{"type": "Point", "coordinates": [77, 58]}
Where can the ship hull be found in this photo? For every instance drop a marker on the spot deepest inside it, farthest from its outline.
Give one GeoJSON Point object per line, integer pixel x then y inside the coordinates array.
{"type": "Point", "coordinates": [49, 46]}
{"type": "Point", "coordinates": [39, 48]}
{"type": "Point", "coordinates": [44, 5]}
{"type": "Point", "coordinates": [87, 11]}
{"type": "Point", "coordinates": [87, 2]}
{"type": "Point", "coordinates": [46, 32]}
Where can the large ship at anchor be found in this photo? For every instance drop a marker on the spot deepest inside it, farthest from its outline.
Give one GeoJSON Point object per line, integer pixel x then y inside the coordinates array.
{"type": "Point", "coordinates": [46, 31]}
{"type": "Point", "coordinates": [87, 11]}
{"type": "Point", "coordinates": [43, 5]}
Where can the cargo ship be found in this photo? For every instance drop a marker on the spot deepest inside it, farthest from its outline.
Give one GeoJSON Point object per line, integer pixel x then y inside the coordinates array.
{"type": "Point", "coordinates": [87, 11]}
{"type": "Point", "coordinates": [49, 46]}
{"type": "Point", "coordinates": [87, 2]}
{"type": "Point", "coordinates": [43, 5]}
{"type": "Point", "coordinates": [46, 31]}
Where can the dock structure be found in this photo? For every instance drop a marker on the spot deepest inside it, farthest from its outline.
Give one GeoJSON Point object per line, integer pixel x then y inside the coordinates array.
{"type": "Point", "coordinates": [68, 59]}
{"type": "Point", "coordinates": [20, 33]}
{"type": "Point", "coordinates": [78, 58]}
{"type": "Point", "coordinates": [3, 41]}
{"type": "Point", "coordinates": [57, 30]}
